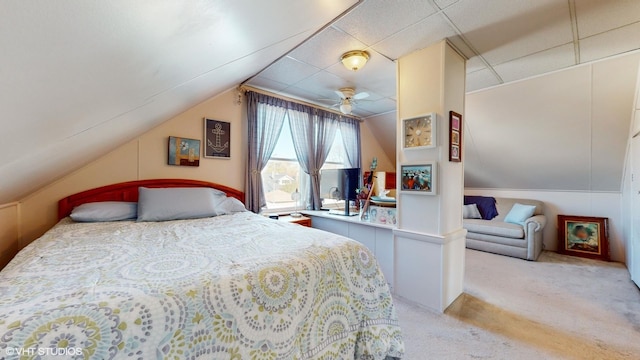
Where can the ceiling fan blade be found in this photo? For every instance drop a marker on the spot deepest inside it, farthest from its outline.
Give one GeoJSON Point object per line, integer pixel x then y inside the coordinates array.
{"type": "Point", "coordinates": [340, 94]}
{"type": "Point", "coordinates": [361, 95]}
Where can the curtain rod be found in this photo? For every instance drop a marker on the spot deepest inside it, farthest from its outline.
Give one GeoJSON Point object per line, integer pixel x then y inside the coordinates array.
{"type": "Point", "coordinates": [245, 88]}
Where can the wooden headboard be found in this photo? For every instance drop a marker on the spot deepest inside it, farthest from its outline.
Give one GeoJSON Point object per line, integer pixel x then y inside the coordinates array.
{"type": "Point", "coordinates": [128, 191]}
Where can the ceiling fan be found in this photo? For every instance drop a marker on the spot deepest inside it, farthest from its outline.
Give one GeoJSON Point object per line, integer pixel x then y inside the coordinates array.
{"type": "Point", "coordinates": [348, 98]}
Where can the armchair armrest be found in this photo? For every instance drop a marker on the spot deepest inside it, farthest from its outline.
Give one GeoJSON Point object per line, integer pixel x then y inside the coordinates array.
{"type": "Point", "coordinates": [535, 223]}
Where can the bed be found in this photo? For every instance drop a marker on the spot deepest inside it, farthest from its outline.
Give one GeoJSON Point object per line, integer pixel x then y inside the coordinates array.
{"type": "Point", "coordinates": [234, 286]}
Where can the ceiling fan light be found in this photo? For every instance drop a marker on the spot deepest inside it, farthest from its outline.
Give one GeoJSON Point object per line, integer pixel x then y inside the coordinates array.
{"type": "Point", "coordinates": [354, 60]}
{"type": "Point", "coordinates": [345, 108]}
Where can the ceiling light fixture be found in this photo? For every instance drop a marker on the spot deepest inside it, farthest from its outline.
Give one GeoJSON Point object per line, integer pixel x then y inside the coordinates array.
{"type": "Point", "coordinates": [354, 60]}
{"type": "Point", "coordinates": [345, 107]}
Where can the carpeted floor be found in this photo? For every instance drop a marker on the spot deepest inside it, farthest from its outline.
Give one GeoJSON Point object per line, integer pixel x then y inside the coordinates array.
{"type": "Point", "coordinates": [559, 307]}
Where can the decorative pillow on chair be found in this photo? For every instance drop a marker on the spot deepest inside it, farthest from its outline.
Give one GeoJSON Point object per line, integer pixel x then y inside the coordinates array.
{"type": "Point", "coordinates": [471, 212]}
{"type": "Point", "coordinates": [520, 213]}
{"type": "Point", "coordinates": [164, 204]}
{"type": "Point", "coordinates": [486, 205]}
{"type": "Point", "coordinates": [105, 211]}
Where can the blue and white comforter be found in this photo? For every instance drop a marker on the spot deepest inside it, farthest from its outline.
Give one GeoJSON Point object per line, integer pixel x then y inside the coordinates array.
{"type": "Point", "coordinates": [231, 287]}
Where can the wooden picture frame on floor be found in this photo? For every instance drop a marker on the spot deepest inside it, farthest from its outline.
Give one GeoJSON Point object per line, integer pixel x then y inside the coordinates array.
{"type": "Point", "coordinates": [583, 236]}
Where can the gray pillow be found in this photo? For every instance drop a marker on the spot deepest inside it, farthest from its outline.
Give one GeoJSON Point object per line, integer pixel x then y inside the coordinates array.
{"type": "Point", "coordinates": [105, 211]}
{"type": "Point", "coordinates": [229, 205]}
{"type": "Point", "coordinates": [163, 204]}
{"type": "Point", "coordinates": [471, 212]}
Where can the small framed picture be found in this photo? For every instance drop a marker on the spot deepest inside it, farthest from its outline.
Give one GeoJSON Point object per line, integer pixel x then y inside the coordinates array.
{"type": "Point", "coordinates": [455, 151]}
{"type": "Point", "coordinates": [419, 132]}
{"type": "Point", "coordinates": [455, 137]}
{"type": "Point", "coordinates": [183, 151]}
{"type": "Point", "coordinates": [217, 139]}
{"type": "Point", "coordinates": [583, 236]}
{"type": "Point", "coordinates": [419, 178]}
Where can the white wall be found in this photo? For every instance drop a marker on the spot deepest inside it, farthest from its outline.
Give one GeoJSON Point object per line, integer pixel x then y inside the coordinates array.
{"type": "Point", "coordinates": [383, 128]}
{"type": "Point", "coordinates": [565, 130]}
{"type": "Point", "coordinates": [581, 203]}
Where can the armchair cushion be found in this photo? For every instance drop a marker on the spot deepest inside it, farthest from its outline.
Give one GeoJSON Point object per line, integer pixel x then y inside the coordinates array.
{"type": "Point", "coordinates": [496, 228]}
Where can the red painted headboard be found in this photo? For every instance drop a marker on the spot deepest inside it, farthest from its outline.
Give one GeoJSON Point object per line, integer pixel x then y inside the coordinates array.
{"type": "Point", "coordinates": [128, 191]}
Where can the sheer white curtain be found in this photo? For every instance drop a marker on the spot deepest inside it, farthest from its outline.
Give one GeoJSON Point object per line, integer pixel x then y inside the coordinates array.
{"type": "Point", "coordinates": [350, 130]}
{"type": "Point", "coordinates": [265, 115]}
{"type": "Point", "coordinates": [313, 132]}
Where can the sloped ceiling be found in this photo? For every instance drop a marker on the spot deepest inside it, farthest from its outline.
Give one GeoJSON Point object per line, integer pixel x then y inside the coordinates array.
{"type": "Point", "coordinates": [78, 78]}
{"type": "Point", "coordinates": [504, 40]}
{"type": "Point", "coordinates": [562, 131]}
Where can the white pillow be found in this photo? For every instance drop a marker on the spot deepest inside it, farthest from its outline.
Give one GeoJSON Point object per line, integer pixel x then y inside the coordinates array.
{"type": "Point", "coordinates": [163, 204]}
{"type": "Point", "coordinates": [471, 212]}
{"type": "Point", "coordinates": [105, 211]}
{"type": "Point", "coordinates": [229, 205]}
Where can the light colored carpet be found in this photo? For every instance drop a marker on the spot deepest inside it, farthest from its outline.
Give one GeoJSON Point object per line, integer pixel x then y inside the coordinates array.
{"type": "Point", "coordinates": [560, 307]}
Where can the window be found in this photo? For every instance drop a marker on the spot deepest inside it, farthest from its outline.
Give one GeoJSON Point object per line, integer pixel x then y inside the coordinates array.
{"type": "Point", "coordinates": [283, 175]}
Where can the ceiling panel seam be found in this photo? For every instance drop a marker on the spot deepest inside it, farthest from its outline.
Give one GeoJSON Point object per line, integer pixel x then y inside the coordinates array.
{"type": "Point", "coordinates": [530, 54]}
{"type": "Point", "coordinates": [609, 30]}
{"type": "Point", "coordinates": [330, 23]}
{"type": "Point", "coordinates": [471, 47]}
{"type": "Point", "coordinates": [574, 30]}
{"type": "Point", "coordinates": [369, 46]}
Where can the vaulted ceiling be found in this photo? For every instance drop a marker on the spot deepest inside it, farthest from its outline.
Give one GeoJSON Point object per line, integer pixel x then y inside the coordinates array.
{"type": "Point", "coordinates": [504, 40]}
{"type": "Point", "coordinates": [78, 78]}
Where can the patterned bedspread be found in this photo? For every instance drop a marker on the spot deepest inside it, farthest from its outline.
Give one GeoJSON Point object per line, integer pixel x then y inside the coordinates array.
{"type": "Point", "coordinates": [231, 287]}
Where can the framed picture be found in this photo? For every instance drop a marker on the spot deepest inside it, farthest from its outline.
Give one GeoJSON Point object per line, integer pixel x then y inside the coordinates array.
{"type": "Point", "coordinates": [217, 139]}
{"type": "Point", "coordinates": [455, 151]}
{"type": "Point", "coordinates": [455, 137]}
{"type": "Point", "coordinates": [183, 151]}
{"type": "Point", "coordinates": [419, 132]}
{"type": "Point", "coordinates": [419, 178]}
{"type": "Point", "coordinates": [583, 236]}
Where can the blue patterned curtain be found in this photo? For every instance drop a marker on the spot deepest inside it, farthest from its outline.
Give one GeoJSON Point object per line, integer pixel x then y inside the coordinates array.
{"type": "Point", "coordinates": [313, 132]}
{"type": "Point", "coordinates": [265, 115]}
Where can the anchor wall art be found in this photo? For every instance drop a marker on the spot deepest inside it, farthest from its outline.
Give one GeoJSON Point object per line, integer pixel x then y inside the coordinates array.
{"type": "Point", "coordinates": [217, 139]}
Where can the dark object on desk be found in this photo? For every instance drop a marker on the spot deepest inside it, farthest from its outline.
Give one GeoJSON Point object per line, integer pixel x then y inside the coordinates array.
{"type": "Point", "coordinates": [274, 217]}
{"type": "Point", "coordinates": [340, 184]}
